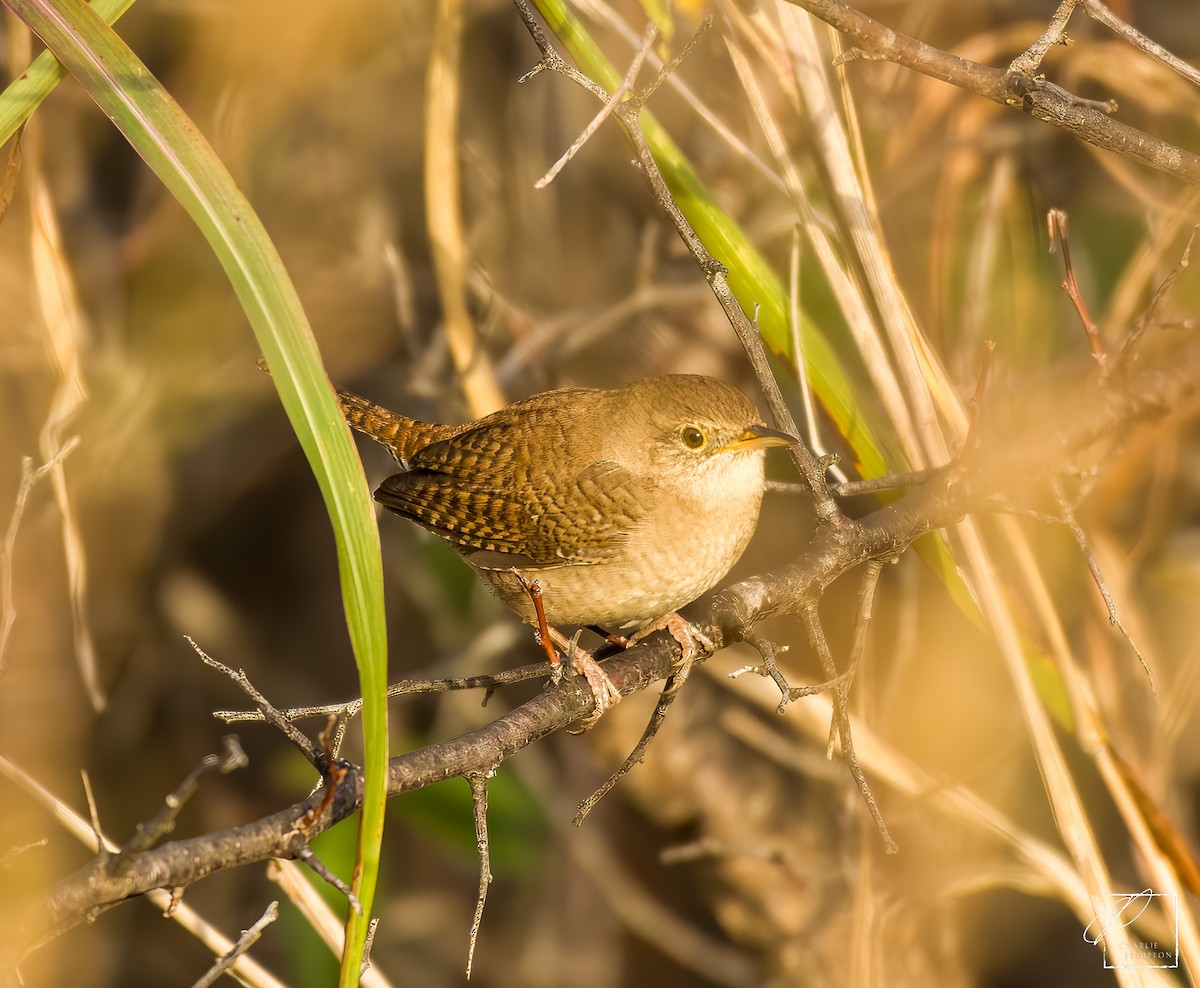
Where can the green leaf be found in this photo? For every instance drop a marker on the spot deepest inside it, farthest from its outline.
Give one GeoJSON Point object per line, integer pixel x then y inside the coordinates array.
{"type": "Point", "coordinates": [172, 146]}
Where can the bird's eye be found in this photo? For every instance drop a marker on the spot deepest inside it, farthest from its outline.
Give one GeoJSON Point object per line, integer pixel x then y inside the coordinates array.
{"type": "Point", "coordinates": [693, 437]}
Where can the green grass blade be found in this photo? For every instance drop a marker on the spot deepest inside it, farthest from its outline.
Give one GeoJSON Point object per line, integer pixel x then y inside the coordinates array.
{"type": "Point", "coordinates": [27, 90]}
{"type": "Point", "coordinates": [170, 144]}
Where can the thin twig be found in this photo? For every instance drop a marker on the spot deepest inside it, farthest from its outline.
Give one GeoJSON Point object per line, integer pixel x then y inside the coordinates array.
{"type": "Point", "coordinates": [1068, 517]}
{"type": "Point", "coordinates": [971, 442]}
{"type": "Point", "coordinates": [666, 71]}
{"type": "Point", "coordinates": [478, 782]}
{"type": "Point", "coordinates": [1099, 12]}
{"type": "Point", "coordinates": [1030, 60]}
{"type": "Point", "coordinates": [147, 834]}
{"type": "Point", "coordinates": [768, 668]}
{"type": "Point", "coordinates": [816, 637]}
{"type": "Point", "coordinates": [888, 482]}
{"type": "Point", "coordinates": [638, 755]}
{"type": "Point", "coordinates": [1034, 96]}
{"type": "Point", "coordinates": [244, 942]}
{"type": "Point", "coordinates": [610, 104]}
{"type": "Point", "coordinates": [29, 479]}
{"type": "Point", "coordinates": [269, 712]}
{"type": "Point", "coordinates": [405, 687]}
{"type": "Point", "coordinates": [309, 857]}
{"type": "Point", "coordinates": [862, 621]}
{"type": "Point", "coordinates": [1056, 221]}
{"type": "Point", "coordinates": [551, 60]}
{"type": "Point", "coordinates": [1146, 319]}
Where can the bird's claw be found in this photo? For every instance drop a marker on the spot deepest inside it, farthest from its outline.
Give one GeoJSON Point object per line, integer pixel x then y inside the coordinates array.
{"type": "Point", "coordinates": [604, 691]}
{"type": "Point", "coordinates": [693, 644]}
{"type": "Point", "coordinates": [582, 663]}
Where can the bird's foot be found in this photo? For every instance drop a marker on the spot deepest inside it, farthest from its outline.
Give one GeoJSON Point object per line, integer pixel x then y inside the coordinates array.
{"type": "Point", "coordinates": [583, 663]}
{"type": "Point", "coordinates": [693, 644]}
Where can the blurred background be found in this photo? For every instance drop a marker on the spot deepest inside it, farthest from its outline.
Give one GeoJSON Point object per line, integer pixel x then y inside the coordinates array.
{"type": "Point", "coordinates": [192, 510]}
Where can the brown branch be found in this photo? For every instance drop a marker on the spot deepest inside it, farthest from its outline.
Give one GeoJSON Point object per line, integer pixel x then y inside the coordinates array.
{"type": "Point", "coordinates": [1023, 457]}
{"type": "Point", "coordinates": [1036, 97]}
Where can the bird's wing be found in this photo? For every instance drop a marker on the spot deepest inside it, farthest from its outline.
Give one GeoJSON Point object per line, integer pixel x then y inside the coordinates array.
{"type": "Point", "coordinates": [512, 519]}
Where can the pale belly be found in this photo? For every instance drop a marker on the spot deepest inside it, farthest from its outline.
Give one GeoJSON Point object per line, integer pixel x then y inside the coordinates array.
{"type": "Point", "coordinates": [650, 579]}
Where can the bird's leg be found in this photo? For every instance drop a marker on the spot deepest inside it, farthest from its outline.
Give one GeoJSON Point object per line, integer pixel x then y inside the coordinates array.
{"type": "Point", "coordinates": [581, 661]}
{"type": "Point", "coordinates": [693, 643]}
{"type": "Point", "coordinates": [542, 632]}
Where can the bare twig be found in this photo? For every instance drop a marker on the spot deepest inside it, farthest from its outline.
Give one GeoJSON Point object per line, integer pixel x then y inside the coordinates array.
{"type": "Point", "coordinates": [405, 687]}
{"type": "Point", "coordinates": [862, 621]}
{"type": "Point", "coordinates": [1146, 319]}
{"type": "Point", "coordinates": [309, 857]}
{"type": "Point", "coordinates": [146, 835]}
{"type": "Point", "coordinates": [985, 367]}
{"type": "Point", "coordinates": [1030, 60]}
{"type": "Point", "coordinates": [244, 942]}
{"type": "Point", "coordinates": [610, 104]}
{"type": "Point", "coordinates": [1034, 96]}
{"type": "Point", "coordinates": [638, 755]}
{"type": "Point", "coordinates": [1056, 221]}
{"type": "Point", "coordinates": [270, 714]}
{"type": "Point", "coordinates": [29, 479]}
{"type": "Point", "coordinates": [816, 637]}
{"type": "Point", "coordinates": [768, 668]}
{"type": "Point", "coordinates": [1099, 12]}
{"type": "Point", "coordinates": [478, 782]}
{"type": "Point", "coordinates": [1068, 516]}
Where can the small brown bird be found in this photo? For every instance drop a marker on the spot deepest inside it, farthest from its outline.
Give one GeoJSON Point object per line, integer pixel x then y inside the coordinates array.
{"type": "Point", "coordinates": [623, 504]}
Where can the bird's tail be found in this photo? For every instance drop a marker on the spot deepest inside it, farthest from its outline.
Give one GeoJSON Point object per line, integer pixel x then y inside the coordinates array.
{"type": "Point", "coordinates": [401, 435]}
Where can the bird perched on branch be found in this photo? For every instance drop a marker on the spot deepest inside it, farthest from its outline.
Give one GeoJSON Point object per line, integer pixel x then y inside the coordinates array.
{"type": "Point", "coordinates": [622, 505]}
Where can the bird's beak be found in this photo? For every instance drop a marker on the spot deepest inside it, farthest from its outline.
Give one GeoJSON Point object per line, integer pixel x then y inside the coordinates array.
{"type": "Point", "coordinates": [760, 437]}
